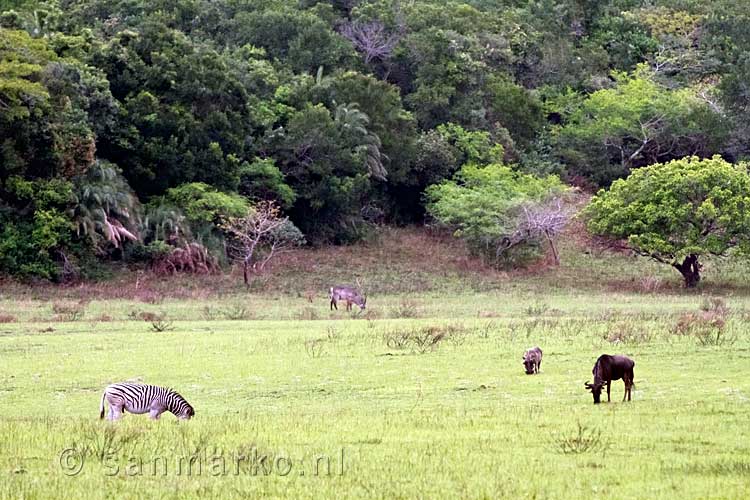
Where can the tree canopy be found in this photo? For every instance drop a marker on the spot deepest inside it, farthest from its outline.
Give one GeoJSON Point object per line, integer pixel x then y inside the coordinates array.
{"type": "Point", "coordinates": [341, 113]}
{"type": "Point", "coordinates": [678, 211]}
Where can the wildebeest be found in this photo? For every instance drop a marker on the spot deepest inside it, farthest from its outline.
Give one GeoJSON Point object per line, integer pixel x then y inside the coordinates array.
{"type": "Point", "coordinates": [532, 360]}
{"type": "Point", "coordinates": [348, 293]}
{"type": "Point", "coordinates": [608, 368]}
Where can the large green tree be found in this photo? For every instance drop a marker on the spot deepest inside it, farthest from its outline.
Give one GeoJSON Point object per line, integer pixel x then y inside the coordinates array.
{"type": "Point", "coordinates": [637, 123]}
{"type": "Point", "coordinates": [677, 212]}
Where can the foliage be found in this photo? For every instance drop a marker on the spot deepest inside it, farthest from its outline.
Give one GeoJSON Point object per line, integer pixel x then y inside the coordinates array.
{"type": "Point", "coordinates": [342, 112]}
{"type": "Point", "coordinates": [483, 203]}
{"type": "Point", "coordinates": [203, 204]}
{"type": "Point", "coordinates": [105, 209]}
{"type": "Point", "coordinates": [639, 122]}
{"type": "Point", "coordinates": [262, 180]}
{"type": "Point", "coordinates": [678, 211]}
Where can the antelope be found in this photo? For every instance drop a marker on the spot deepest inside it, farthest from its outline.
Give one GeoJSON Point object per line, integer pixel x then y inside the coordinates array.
{"type": "Point", "coordinates": [608, 368]}
{"type": "Point", "coordinates": [348, 293]}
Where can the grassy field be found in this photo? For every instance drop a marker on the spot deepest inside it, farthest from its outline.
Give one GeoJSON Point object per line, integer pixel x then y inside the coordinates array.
{"type": "Point", "coordinates": [424, 396]}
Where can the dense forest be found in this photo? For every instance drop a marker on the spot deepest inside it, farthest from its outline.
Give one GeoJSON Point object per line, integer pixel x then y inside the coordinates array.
{"type": "Point", "coordinates": [132, 130]}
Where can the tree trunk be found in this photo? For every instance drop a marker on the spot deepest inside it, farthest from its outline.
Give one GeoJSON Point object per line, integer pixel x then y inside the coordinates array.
{"type": "Point", "coordinates": [245, 274]}
{"type": "Point", "coordinates": [552, 246]}
{"type": "Point", "coordinates": [690, 270]}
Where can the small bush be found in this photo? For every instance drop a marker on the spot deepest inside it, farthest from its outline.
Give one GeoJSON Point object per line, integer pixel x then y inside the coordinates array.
{"type": "Point", "coordinates": [209, 313]}
{"type": "Point", "coordinates": [537, 308]}
{"type": "Point", "coordinates": [484, 330]}
{"type": "Point", "coordinates": [397, 339]}
{"type": "Point", "coordinates": [149, 297]}
{"type": "Point", "coordinates": [425, 339]}
{"type": "Point", "coordinates": [159, 322]}
{"type": "Point", "coordinates": [708, 327]}
{"type": "Point", "coordinates": [406, 308]}
{"type": "Point", "coordinates": [237, 312]}
{"type": "Point", "coordinates": [628, 333]}
{"type": "Point", "coordinates": [68, 311]}
{"type": "Point", "coordinates": [583, 440]}
{"type": "Point", "coordinates": [650, 284]}
{"type": "Point", "coordinates": [7, 318]}
{"type": "Point", "coordinates": [315, 347]}
{"type": "Point", "coordinates": [715, 305]}
{"type": "Point", "coordinates": [308, 313]}
{"type": "Point", "coordinates": [332, 333]}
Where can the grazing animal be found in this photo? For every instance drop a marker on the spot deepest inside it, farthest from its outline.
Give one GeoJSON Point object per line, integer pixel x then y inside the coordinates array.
{"type": "Point", "coordinates": [532, 360]}
{"type": "Point", "coordinates": [348, 293]}
{"type": "Point", "coordinates": [608, 368]}
{"type": "Point", "coordinates": [142, 398]}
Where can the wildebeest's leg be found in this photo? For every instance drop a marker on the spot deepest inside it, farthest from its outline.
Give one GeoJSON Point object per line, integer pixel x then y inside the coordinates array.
{"type": "Point", "coordinates": [538, 365]}
{"type": "Point", "coordinates": [333, 304]}
{"type": "Point", "coordinates": [628, 387]}
{"type": "Point", "coordinates": [631, 379]}
{"type": "Point", "coordinates": [609, 383]}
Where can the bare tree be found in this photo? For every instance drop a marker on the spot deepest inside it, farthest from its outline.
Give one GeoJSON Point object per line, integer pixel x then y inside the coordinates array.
{"type": "Point", "coordinates": [372, 39]}
{"type": "Point", "coordinates": [260, 236]}
{"type": "Point", "coordinates": [538, 222]}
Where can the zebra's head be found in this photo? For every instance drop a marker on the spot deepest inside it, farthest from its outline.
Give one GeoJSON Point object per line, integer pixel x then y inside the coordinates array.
{"type": "Point", "coordinates": [187, 413]}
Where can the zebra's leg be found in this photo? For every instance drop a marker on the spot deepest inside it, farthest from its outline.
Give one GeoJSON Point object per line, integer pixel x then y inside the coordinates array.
{"type": "Point", "coordinates": [115, 412]}
{"type": "Point", "coordinates": [156, 409]}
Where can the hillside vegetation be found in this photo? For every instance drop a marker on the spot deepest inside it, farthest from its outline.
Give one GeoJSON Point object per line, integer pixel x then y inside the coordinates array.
{"type": "Point", "coordinates": [140, 132]}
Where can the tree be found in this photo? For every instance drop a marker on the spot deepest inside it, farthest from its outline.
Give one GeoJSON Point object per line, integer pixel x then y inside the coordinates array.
{"type": "Point", "coordinates": [332, 162]}
{"type": "Point", "coordinates": [637, 123]}
{"type": "Point", "coordinates": [539, 221]}
{"type": "Point", "coordinates": [259, 236]}
{"type": "Point", "coordinates": [677, 212]}
{"type": "Point", "coordinates": [485, 207]}
{"type": "Point", "coordinates": [372, 39]}
{"type": "Point", "coordinates": [105, 208]}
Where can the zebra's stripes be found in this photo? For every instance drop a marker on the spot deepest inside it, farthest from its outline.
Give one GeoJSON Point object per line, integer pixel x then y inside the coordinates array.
{"type": "Point", "coordinates": [142, 398]}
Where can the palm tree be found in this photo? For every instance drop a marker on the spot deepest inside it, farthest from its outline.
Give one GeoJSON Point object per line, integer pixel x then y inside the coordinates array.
{"type": "Point", "coordinates": [353, 125]}
{"type": "Point", "coordinates": [105, 208]}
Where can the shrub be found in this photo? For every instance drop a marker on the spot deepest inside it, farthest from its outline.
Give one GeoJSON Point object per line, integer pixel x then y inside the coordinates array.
{"type": "Point", "coordinates": [160, 323]}
{"type": "Point", "coordinates": [498, 212]}
{"type": "Point", "coordinates": [406, 308]}
{"type": "Point", "coordinates": [7, 318]}
{"type": "Point", "coordinates": [69, 312]}
{"type": "Point", "coordinates": [708, 327]}
{"type": "Point", "coordinates": [584, 439]}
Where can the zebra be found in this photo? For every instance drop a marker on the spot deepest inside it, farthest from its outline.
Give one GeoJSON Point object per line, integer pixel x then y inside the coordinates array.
{"type": "Point", "coordinates": [142, 398]}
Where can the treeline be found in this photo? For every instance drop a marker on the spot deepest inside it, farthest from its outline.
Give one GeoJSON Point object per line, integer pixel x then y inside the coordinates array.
{"type": "Point", "coordinates": [131, 128]}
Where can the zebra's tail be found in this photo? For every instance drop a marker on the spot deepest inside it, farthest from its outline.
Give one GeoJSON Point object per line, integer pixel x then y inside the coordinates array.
{"type": "Point", "coordinates": [101, 405]}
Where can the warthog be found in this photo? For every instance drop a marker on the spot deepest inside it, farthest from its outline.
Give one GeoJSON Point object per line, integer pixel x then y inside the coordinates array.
{"type": "Point", "coordinates": [532, 360]}
{"type": "Point", "coordinates": [608, 368]}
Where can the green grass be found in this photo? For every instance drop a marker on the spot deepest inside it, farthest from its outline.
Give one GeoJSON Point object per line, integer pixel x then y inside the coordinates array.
{"type": "Point", "coordinates": [298, 382]}
{"type": "Point", "coordinates": [274, 375]}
